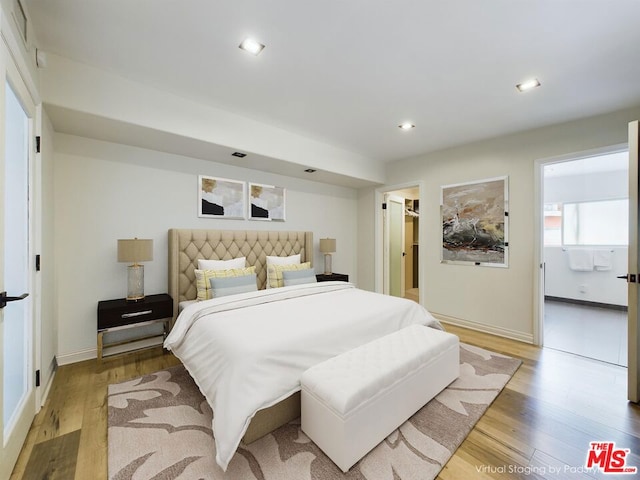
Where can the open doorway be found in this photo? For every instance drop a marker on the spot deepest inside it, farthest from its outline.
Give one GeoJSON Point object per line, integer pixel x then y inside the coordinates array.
{"type": "Point", "coordinates": [401, 249]}
{"type": "Point", "coordinates": [585, 225]}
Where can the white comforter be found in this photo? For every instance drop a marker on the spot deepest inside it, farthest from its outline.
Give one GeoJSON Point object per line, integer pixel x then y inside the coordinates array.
{"type": "Point", "coordinates": [247, 352]}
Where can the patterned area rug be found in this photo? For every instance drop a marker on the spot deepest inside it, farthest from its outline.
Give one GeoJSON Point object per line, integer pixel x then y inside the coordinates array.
{"type": "Point", "coordinates": [159, 427]}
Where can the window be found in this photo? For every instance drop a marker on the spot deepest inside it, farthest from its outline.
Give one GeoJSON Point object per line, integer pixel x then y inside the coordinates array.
{"type": "Point", "coordinates": [603, 222]}
{"type": "Point", "coordinates": [586, 201]}
{"type": "Point", "coordinates": [553, 224]}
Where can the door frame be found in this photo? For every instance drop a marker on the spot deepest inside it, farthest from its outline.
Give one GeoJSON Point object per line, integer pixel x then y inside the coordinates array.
{"type": "Point", "coordinates": [379, 234]}
{"type": "Point", "coordinates": [15, 70]}
{"type": "Point", "coordinates": [633, 327]}
{"type": "Point", "coordinates": [538, 261]}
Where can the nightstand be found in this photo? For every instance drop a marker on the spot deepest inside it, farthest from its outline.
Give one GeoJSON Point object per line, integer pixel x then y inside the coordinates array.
{"type": "Point", "coordinates": [118, 315]}
{"type": "Point", "coordinates": [334, 277]}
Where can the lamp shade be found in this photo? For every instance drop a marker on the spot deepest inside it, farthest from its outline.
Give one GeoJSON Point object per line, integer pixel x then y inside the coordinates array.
{"type": "Point", "coordinates": [327, 245]}
{"type": "Point", "coordinates": [135, 250]}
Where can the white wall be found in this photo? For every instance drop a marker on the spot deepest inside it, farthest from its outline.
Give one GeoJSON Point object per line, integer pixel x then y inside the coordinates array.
{"type": "Point", "coordinates": [106, 191]}
{"type": "Point", "coordinates": [499, 300]}
{"type": "Point", "coordinates": [366, 246]}
{"type": "Point", "coordinates": [594, 286]}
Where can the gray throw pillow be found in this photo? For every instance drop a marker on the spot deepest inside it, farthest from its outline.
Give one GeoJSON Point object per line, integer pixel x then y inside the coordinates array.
{"type": "Point", "coordinates": [223, 286]}
{"type": "Point", "coordinates": [298, 277]}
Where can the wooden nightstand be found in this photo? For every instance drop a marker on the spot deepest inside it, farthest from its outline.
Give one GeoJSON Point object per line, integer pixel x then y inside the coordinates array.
{"type": "Point", "coordinates": [334, 277]}
{"type": "Point", "coordinates": [118, 315]}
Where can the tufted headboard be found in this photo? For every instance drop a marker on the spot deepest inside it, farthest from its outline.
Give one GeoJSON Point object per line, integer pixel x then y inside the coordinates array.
{"type": "Point", "coordinates": [186, 246]}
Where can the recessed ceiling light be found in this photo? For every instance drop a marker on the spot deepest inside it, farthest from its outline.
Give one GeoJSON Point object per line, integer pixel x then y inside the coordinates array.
{"type": "Point", "coordinates": [251, 46]}
{"type": "Point", "coordinates": [528, 85]}
{"type": "Point", "coordinates": [406, 126]}
{"type": "Point", "coordinates": [239, 154]}
{"type": "Point", "coordinates": [310, 170]}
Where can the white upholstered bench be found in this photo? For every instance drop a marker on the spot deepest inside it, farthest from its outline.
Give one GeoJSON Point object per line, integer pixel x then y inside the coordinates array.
{"type": "Point", "coordinates": [352, 402]}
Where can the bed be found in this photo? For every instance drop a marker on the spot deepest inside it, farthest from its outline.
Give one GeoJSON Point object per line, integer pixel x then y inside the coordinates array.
{"type": "Point", "coordinates": [246, 352]}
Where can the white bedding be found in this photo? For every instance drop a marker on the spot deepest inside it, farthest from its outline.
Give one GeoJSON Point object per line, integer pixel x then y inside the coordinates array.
{"type": "Point", "coordinates": [247, 352]}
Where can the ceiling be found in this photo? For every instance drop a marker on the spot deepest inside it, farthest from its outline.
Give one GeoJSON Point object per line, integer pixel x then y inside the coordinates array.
{"type": "Point", "coordinates": [347, 73]}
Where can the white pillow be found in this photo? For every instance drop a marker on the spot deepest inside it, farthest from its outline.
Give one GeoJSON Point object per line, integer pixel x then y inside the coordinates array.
{"type": "Point", "coordinates": [221, 264]}
{"type": "Point", "coordinates": [273, 260]}
{"type": "Point", "coordinates": [290, 260]}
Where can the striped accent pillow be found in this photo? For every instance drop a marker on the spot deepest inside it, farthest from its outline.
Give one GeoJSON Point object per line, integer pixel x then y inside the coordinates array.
{"type": "Point", "coordinates": [203, 279]}
{"type": "Point", "coordinates": [274, 273]}
{"type": "Point", "coordinates": [299, 277]}
{"type": "Point", "coordinates": [221, 287]}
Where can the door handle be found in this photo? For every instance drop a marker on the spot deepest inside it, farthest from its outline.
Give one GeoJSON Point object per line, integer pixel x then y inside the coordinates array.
{"type": "Point", "coordinates": [631, 277]}
{"type": "Point", "coordinates": [4, 299]}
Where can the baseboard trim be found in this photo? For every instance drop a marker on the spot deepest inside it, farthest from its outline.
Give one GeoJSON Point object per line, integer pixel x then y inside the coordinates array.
{"type": "Point", "coordinates": [47, 388]}
{"type": "Point", "coordinates": [481, 327]}
{"type": "Point", "coordinates": [92, 353]}
{"type": "Point", "coordinates": [586, 303]}
{"type": "Point", "coordinates": [75, 357]}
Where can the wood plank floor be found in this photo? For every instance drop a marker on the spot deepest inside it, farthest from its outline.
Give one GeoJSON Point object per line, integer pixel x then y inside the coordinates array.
{"type": "Point", "coordinates": [555, 404]}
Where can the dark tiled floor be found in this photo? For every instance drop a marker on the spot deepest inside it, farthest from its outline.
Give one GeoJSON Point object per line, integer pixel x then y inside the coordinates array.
{"type": "Point", "coordinates": [593, 332]}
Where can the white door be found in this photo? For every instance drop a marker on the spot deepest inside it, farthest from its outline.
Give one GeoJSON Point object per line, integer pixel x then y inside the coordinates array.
{"type": "Point", "coordinates": [17, 398]}
{"type": "Point", "coordinates": [394, 283]}
{"type": "Point", "coordinates": [634, 268]}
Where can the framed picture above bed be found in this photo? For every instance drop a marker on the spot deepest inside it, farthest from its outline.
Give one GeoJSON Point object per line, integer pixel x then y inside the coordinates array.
{"type": "Point", "coordinates": [475, 226]}
{"type": "Point", "coordinates": [221, 198]}
{"type": "Point", "coordinates": [266, 202]}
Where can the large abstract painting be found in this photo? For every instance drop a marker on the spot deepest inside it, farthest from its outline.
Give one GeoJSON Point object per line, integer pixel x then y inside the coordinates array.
{"type": "Point", "coordinates": [475, 223]}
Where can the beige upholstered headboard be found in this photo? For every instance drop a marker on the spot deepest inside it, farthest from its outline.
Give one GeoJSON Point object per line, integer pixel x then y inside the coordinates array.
{"type": "Point", "coordinates": [186, 246]}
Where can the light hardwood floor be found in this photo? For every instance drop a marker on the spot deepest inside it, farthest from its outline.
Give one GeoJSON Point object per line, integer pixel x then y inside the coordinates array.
{"type": "Point", "coordinates": [555, 404]}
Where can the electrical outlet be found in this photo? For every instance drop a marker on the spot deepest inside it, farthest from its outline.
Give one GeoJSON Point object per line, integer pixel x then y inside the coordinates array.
{"type": "Point", "coordinates": [583, 288]}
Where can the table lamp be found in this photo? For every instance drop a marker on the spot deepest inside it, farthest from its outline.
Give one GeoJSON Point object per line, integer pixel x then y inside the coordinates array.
{"type": "Point", "coordinates": [327, 246]}
{"type": "Point", "coordinates": [135, 250]}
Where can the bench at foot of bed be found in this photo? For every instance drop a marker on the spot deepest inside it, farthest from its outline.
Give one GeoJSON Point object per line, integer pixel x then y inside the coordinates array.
{"type": "Point", "coordinates": [352, 402]}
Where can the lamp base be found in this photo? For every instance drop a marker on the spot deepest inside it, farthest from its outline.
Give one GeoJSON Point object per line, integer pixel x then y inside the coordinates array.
{"type": "Point", "coordinates": [327, 264]}
{"type": "Point", "coordinates": [135, 283]}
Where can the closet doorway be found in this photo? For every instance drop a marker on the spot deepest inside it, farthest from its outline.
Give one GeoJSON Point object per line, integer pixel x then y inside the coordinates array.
{"type": "Point", "coordinates": [401, 221]}
{"type": "Point", "coordinates": [585, 223]}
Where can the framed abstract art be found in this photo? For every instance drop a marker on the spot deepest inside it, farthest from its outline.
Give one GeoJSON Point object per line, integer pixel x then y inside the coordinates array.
{"type": "Point", "coordinates": [475, 227]}
{"type": "Point", "coordinates": [221, 198]}
{"type": "Point", "coordinates": [266, 202]}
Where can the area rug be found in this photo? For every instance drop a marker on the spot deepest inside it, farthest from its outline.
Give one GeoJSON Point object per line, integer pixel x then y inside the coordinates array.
{"type": "Point", "coordinates": [159, 427]}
